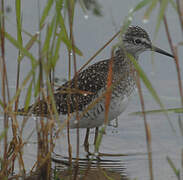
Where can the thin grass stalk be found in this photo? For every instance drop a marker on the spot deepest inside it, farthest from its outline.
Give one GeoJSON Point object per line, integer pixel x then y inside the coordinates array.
{"type": "Point", "coordinates": [98, 51]}
{"type": "Point", "coordinates": [19, 38]}
{"type": "Point", "coordinates": [114, 84]}
{"type": "Point", "coordinates": [108, 94]}
{"type": "Point", "coordinates": [15, 147]}
{"type": "Point", "coordinates": [180, 13]}
{"type": "Point", "coordinates": [13, 118]}
{"type": "Point", "coordinates": [173, 167]}
{"type": "Point", "coordinates": [39, 153]}
{"type": "Point", "coordinates": [147, 128]}
{"type": "Point", "coordinates": [181, 175]}
{"type": "Point", "coordinates": [52, 73]}
{"type": "Point", "coordinates": [103, 171]}
{"type": "Point", "coordinates": [174, 52]}
{"type": "Point", "coordinates": [77, 114]}
{"type": "Point", "coordinates": [3, 55]}
{"type": "Point", "coordinates": [109, 84]}
{"type": "Point", "coordinates": [43, 137]}
{"type": "Point", "coordinates": [50, 83]}
{"type": "Point", "coordinates": [15, 151]}
{"type": "Point", "coordinates": [17, 85]}
{"type": "Point", "coordinates": [48, 64]}
{"type": "Point", "coordinates": [40, 53]}
{"type": "Point", "coordinates": [68, 131]}
{"type": "Point", "coordinates": [71, 6]}
{"type": "Point", "coordinates": [50, 123]}
{"type": "Point", "coordinates": [69, 110]}
{"type": "Point", "coordinates": [4, 84]}
{"type": "Point", "coordinates": [68, 100]}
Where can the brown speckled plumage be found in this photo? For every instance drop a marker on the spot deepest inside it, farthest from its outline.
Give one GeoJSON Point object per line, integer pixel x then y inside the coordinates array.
{"type": "Point", "coordinates": [92, 81]}
{"type": "Point", "coordinates": [137, 32]}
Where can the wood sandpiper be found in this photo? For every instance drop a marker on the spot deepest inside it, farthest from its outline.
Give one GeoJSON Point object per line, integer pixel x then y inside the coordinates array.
{"type": "Point", "coordinates": [93, 79]}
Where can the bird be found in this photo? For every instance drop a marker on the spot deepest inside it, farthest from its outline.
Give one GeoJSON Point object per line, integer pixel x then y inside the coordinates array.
{"type": "Point", "coordinates": [87, 99]}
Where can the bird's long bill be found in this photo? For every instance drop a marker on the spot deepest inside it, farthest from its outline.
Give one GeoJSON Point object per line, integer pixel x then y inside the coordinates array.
{"type": "Point", "coordinates": [158, 50]}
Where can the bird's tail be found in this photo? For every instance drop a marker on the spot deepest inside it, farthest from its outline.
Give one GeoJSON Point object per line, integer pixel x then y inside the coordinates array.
{"type": "Point", "coordinates": [39, 108]}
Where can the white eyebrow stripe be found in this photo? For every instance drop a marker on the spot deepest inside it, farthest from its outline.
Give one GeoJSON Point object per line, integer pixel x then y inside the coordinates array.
{"type": "Point", "coordinates": [144, 40]}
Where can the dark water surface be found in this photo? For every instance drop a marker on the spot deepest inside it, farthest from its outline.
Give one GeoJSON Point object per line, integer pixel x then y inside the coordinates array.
{"type": "Point", "coordinates": [129, 137]}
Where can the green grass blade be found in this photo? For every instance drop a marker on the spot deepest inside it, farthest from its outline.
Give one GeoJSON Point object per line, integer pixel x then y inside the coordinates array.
{"type": "Point", "coordinates": [19, 20]}
{"type": "Point", "coordinates": [3, 134]}
{"type": "Point", "coordinates": [23, 50]}
{"type": "Point", "coordinates": [83, 6]}
{"type": "Point", "coordinates": [175, 170]}
{"type": "Point", "coordinates": [146, 80]}
{"type": "Point", "coordinates": [54, 25]}
{"type": "Point", "coordinates": [141, 4]}
{"type": "Point", "coordinates": [149, 86]}
{"type": "Point", "coordinates": [29, 44]}
{"type": "Point", "coordinates": [60, 19]}
{"type": "Point", "coordinates": [46, 12]}
{"type": "Point", "coordinates": [64, 35]}
{"type": "Point", "coordinates": [150, 9]}
{"type": "Point", "coordinates": [71, 8]}
{"type": "Point", "coordinates": [174, 5]}
{"type": "Point", "coordinates": [91, 5]}
{"type": "Point", "coordinates": [106, 175]}
{"type": "Point", "coordinates": [51, 94]}
{"type": "Point", "coordinates": [68, 43]}
{"type": "Point", "coordinates": [129, 18]}
{"type": "Point", "coordinates": [57, 48]}
{"type": "Point", "coordinates": [26, 79]}
{"type": "Point", "coordinates": [157, 111]}
{"type": "Point", "coordinates": [28, 96]}
{"type": "Point", "coordinates": [1, 103]}
{"type": "Point", "coordinates": [46, 45]}
{"type": "Point", "coordinates": [163, 6]}
{"type": "Point", "coordinates": [99, 138]}
{"type": "Point", "coordinates": [37, 87]}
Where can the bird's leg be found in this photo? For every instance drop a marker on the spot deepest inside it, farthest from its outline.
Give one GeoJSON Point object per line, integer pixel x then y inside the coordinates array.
{"type": "Point", "coordinates": [86, 144]}
{"type": "Point", "coordinates": [96, 135]}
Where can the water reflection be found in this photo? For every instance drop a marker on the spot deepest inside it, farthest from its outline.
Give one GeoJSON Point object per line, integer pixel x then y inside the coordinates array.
{"type": "Point", "coordinates": [89, 168]}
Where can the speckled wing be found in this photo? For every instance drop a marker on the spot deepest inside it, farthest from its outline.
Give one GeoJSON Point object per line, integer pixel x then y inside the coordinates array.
{"type": "Point", "coordinates": [90, 80]}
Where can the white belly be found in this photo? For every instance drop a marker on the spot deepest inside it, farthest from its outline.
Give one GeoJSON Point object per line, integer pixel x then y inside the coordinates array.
{"type": "Point", "coordinates": [95, 117]}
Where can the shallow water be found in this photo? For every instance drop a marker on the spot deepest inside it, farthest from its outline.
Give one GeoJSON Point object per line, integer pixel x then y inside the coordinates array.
{"type": "Point", "coordinates": [129, 137]}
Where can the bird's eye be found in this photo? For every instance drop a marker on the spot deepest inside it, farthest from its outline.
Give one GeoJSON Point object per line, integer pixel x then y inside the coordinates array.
{"type": "Point", "coordinates": [138, 41]}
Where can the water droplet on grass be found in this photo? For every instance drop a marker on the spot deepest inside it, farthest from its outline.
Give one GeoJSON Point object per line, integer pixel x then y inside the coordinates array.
{"type": "Point", "coordinates": [75, 122]}
{"type": "Point", "coordinates": [131, 10]}
{"type": "Point", "coordinates": [86, 16]}
{"type": "Point", "coordinates": [130, 18]}
{"type": "Point", "coordinates": [145, 20]}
